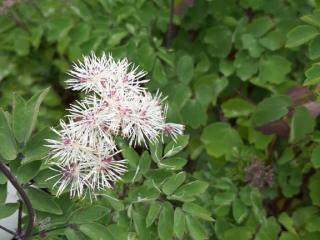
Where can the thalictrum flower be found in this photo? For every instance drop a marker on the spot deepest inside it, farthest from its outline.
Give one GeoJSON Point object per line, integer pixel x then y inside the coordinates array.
{"type": "Point", "coordinates": [85, 153]}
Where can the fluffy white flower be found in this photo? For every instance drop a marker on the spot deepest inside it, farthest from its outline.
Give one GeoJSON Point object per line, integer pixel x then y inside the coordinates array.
{"type": "Point", "coordinates": [89, 74]}
{"type": "Point", "coordinates": [142, 119]}
{"type": "Point", "coordinates": [105, 76]}
{"type": "Point", "coordinates": [173, 130]}
{"type": "Point", "coordinates": [70, 176]}
{"type": "Point", "coordinates": [91, 120]}
{"type": "Point", "coordinates": [85, 153]}
{"type": "Point", "coordinates": [64, 149]}
{"type": "Point", "coordinates": [104, 171]}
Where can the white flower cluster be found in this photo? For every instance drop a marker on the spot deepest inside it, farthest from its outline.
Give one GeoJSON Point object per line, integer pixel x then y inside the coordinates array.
{"type": "Point", "coordinates": [84, 155]}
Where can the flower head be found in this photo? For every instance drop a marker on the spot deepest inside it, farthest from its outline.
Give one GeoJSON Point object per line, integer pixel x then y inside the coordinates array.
{"type": "Point", "coordinates": [72, 176]}
{"type": "Point", "coordinates": [104, 170]}
{"type": "Point", "coordinates": [105, 75]}
{"type": "Point", "coordinates": [259, 175]}
{"type": "Point", "coordinates": [85, 153]}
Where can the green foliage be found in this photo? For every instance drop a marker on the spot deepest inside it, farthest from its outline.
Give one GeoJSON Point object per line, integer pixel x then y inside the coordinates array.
{"type": "Point", "coordinates": [241, 75]}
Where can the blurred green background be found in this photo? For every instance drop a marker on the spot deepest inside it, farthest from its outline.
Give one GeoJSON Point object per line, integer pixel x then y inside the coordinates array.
{"type": "Point", "coordinates": [235, 73]}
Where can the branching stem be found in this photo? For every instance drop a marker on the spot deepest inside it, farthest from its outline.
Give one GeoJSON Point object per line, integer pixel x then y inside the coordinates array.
{"type": "Point", "coordinates": [24, 197]}
{"type": "Point", "coordinates": [169, 33]}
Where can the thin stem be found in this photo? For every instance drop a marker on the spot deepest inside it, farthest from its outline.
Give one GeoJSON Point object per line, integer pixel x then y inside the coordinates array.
{"type": "Point", "coordinates": [19, 218]}
{"type": "Point", "coordinates": [18, 22]}
{"type": "Point", "coordinates": [7, 230]}
{"type": "Point", "coordinates": [4, 169]}
{"type": "Point", "coordinates": [38, 9]}
{"type": "Point", "coordinates": [53, 229]}
{"type": "Point", "coordinates": [169, 33]}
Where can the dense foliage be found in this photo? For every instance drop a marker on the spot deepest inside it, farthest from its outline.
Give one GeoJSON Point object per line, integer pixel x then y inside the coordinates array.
{"type": "Point", "coordinates": [242, 75]}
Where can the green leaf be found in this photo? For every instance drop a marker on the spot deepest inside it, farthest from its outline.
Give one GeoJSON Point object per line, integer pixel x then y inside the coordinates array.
{"type": "Point", "coordinates": [21, 42]}
{"type": "Point", "coordinates": [218, 85]}
{"type": "Point", "coordinates": [300, 35]}
{"type": "Point", "coordinates": [287, 155]}
{"type": "Point", "coordinates": [5, 24]}
{"type": "Point", "coordinates": [287, 222]}
{"type": "Point", "coordinates": [18, 116]}
{"type": "Point", "coordinates": [239, 233]}
{"type": "Point", "coordinates": [195, 228]}
{"type": "Point", "coordinates": [80, 34]}
{"type": "Point", "coordinates": [165, 224]}
{"type": "Point", "coordinates": [3, 193]}
{"type": "Point", "coordinates": [180, 93]}
{"type": "Point", "coordinates": [274, 69]}
{"type": "Point", "coordinates": [71, 234]}
{"type": "Point", "coordinates": [314, 189]}
{"type": "Point", "coordinates": [59, 27]}
{"type": "Point", "coordinates": [219, 40]}
{"type": "Point", "coordinates": [185, 68]}
{"type": "Point", "coordinates": [314, 48]}
{"type": "Point", "coordinates": [115, 203]}
{"type": "Point", "coordinates": [28, 171]}
{"type": "Point", "coordinates": [159, 73]}
{"type": "Point", "coordinates": [131, 156]}
{"type": "Point", "coordinates": [173, 182]}
{"type": "Point", "coordinates": [203, 64]}
{"type": "Point", "coordinates": [175, 163]}
{"type": "Point", "coordinates": [226, 67]}
{"type": "Point", "coordinates": [197, 211]}
{"type": "Point", "coordinates": [302, 123]}
{"type": "Point", "coordinates": [144, 162]}
{"type": "Point", "coordinates": [42, 201]}
{"type": "Point", "coordinates": [237, 107]}
{"type": "Point", "coordinates": [205, 92]}
{"type": "Point", "coordinates": [315, 157]}
{"type": "Point", "coordinates": [197, 111]}
{"type": "Point", "coordinates": [239, 210]}
{"type": "Point", "coordinates": [81, 9]}
{"type": "Point", "coordinates": [140, 225]}
{"type": "Point", "coordinates": [35, 149]}
{"type": "Point", "coordinates": [251, 44]}
{"type": "Point", "coordinates": [221, 226]}
{"type": "Point", "coordinates": [144, 193]}
{"type": "Point", "coordinates": [246, 66]}
{"type": "Point", "coordinates": [273, 40]}
{"type": "Point", "coordinates": [116, 39]}
{"type": "Point", "coordinates": [176, 146]}
{"type": "Point", "coordinates": [260, 140]}
{"type": "Point", "coordinates": [224, 198]}
{"type": "Point", "coordinates": [222, 211]}
{"type": "Point", "coordinates": [156, 151]}
{"type": "Point", "coordinates": [119, 232]}
{"type": "Point", "coordinates": [179, 225]}
{"type": "Point", "coordinates": [313, 19]}
{"type": "Point", "coordinates": [220, 139]}
{"type": "Point", "coordinates": [271, 109]}
{"type": "Point", "coordinates": [260, 26]}
{"type": "Point", "coordinates": [25, 115]}
{"type": "Point", "coordinates": [158, 176]}
{"type": "Point", "coordinates": [289, 236]}
{"type": "Point", "coordinates": [313, 224]}
{"type": "Point", "coordinates": [87, 214]}
{"type": "Point", "coordinates": [313, 75]}
{"type": "Point", "coordinates": [96, 231]}
{"type": "Point", "coordinates": [8, 146]}
{"type": "Point", "coordinates": [153, 213]}
{"type": "Point", "coordinates": [189, 190]}
{"type": "Point", "coordinates": [268, 230]}
{"type": "Point", "coordinates": [8, 209]}
{"type": "Point", "coordinates": [256, 203]}
{"type": "Point", "coordinates": [303, 215]}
